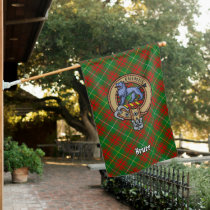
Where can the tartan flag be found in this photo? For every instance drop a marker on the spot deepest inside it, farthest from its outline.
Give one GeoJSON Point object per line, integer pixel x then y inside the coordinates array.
{"type": "Point", "coordinates": [127, 95]}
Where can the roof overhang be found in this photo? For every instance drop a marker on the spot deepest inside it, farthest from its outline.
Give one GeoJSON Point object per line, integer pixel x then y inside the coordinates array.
{"type": "Point", "coordinates": [23, 21]}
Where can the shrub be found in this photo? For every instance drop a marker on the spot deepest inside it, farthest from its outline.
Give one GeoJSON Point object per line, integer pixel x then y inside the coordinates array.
{"type": "Point", "coordinates": [16, 156]}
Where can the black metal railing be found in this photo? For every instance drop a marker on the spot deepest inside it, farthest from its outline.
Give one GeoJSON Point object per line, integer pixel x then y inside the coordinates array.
{"type": "Point", "coordinates": [159, 184]}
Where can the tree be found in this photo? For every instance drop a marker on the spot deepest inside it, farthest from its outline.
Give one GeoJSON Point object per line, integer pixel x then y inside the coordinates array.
{"type": "Point", "coordinates": [80, 30]}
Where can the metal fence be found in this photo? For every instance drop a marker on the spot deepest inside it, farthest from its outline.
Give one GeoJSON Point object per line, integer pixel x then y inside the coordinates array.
{"type": "Point", "coordinates": [160, 182]}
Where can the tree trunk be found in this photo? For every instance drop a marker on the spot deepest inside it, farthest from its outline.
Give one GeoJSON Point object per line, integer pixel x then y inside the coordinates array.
{"type": "Point", "coordinates": [92, 134]}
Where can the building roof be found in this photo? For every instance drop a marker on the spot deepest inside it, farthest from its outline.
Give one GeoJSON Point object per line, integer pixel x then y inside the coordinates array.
{"type": "Point", "coordinates": [23, 21]}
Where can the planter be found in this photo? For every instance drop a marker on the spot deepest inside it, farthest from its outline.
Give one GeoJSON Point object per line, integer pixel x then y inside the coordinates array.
{"type": "Point", "coordinates": [19, 159]}
{"type": "Point", "coordinates": [20, 175]}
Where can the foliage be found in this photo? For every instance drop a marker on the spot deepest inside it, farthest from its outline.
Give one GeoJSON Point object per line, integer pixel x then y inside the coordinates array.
{"type": "Point", "coordinates": [79, 30]}
{"type": "Point", "coordinates": [199, 181]}
{"type": "Point", "coordinates": [14, 122]}
{"type": "Point", "coordinates": [138, 198]}
{"type": "Point", "coordinates": [76, 138]}
{"type": "Point", "coordinates": [16, 156]}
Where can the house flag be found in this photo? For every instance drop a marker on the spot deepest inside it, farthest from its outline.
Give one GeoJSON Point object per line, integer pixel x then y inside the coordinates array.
{"type": "Point", "coordinates": [127, 96]}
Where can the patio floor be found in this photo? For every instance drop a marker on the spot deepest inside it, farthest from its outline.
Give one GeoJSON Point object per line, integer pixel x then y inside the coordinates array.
{"type": "Point", "coordinates": [64, 185]}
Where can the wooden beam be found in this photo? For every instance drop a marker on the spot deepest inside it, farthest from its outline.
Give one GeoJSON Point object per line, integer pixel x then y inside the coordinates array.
{"type": "Point", "coordinates": [24, 21]}
{"type": "Point", "coordinates": [1, 102]}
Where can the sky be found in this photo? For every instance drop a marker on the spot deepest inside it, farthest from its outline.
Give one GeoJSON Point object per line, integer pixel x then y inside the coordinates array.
{"type": "Point", "coordinates": [203, 23]}
{"type": "Point", "coordinates": [204, 20]}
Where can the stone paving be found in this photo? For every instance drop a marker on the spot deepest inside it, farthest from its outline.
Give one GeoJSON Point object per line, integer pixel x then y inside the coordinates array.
{"type": "Point", "coordinates": [63, 185]}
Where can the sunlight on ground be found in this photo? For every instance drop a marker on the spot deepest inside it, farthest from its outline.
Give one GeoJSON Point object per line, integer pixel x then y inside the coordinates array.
{"type": "Point", "coordinates": [69, 162]}
{"type": "Point", "coordinates": [196, 146]}
{"type": "Point", "coordinates": [193, 146]}
{"type": "Point", "coordinates": [65, 164]}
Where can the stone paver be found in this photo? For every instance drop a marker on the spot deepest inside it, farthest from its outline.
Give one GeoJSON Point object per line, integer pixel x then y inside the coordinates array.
{"type": "Point", "coordinates": [62, 186]}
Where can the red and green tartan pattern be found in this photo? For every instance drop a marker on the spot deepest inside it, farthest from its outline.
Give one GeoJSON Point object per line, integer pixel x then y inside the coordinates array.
{"type": "Point", "coordinates": [118, 139]}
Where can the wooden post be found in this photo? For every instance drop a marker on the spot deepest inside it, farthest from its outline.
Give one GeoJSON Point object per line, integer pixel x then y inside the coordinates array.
{"type": "Point", "coordinates": [1, 101]}
{"type": "Point", "coordinates": [188, 189]}
{"type": "Point", "coordinates": [180, 142]}
{"type": "Point", "coordinates": [209, 142]}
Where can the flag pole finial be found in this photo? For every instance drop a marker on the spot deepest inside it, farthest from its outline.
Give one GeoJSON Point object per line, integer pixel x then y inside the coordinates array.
{"type": "Point", "coordinates": [162, 44]}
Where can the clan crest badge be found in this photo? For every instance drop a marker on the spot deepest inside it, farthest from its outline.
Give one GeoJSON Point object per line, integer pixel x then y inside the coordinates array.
{"type": "Point", "coordinates": [130, 98]}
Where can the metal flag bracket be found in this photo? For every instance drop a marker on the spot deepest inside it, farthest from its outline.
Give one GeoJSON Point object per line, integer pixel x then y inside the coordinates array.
{"type": "Point", "coordinates": [7, 85]}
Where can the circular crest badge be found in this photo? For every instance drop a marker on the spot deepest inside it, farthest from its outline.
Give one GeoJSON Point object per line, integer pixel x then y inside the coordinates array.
{"type": "Point", "coordinates": [130, 98]}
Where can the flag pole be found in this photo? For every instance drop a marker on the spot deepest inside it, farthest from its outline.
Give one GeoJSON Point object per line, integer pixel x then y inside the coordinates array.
{"type": "Point", "coordinates": [7, 85]}
{"type": "Point", "coordinates": [51, 73]}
